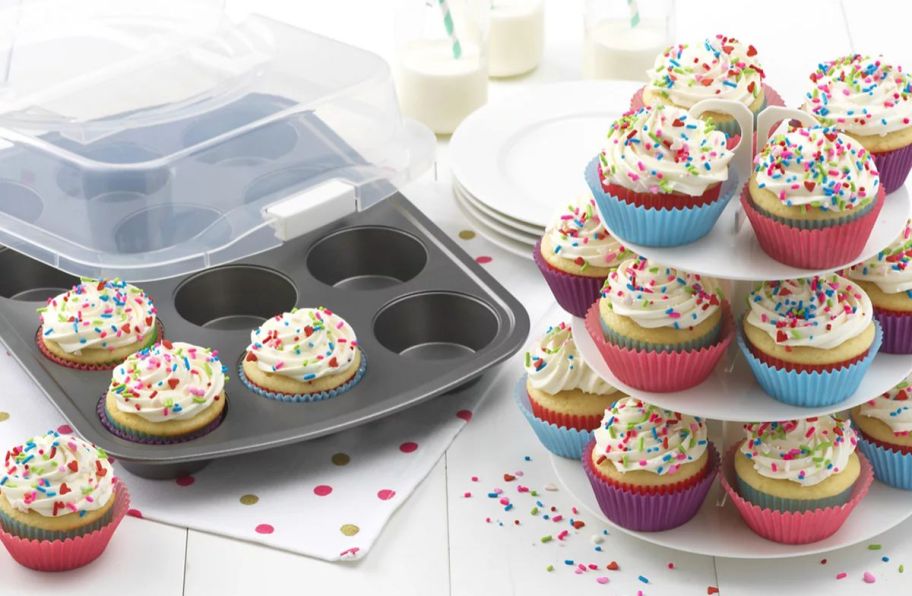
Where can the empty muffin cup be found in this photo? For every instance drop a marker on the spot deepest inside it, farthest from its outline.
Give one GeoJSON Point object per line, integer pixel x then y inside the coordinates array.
{"type": "Point", "coordinates": [366, 258]}
{"type": "Point", "coordinates": [33, 280]}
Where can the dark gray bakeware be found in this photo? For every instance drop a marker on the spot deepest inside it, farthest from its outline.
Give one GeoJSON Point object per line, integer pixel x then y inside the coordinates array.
{"type": "Point", "coordinates": [428, 318]}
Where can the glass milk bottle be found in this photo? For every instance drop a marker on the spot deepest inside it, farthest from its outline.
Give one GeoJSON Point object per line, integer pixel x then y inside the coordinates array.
{"type": "Point", "coordinates": [623, 37]}
{"type": "Point", "coordinates": [441, 63]}
{"type": "Point", "coordinates": [517, 36]}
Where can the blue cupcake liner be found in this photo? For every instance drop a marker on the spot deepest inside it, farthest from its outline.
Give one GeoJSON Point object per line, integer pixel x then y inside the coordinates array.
{"type": "Point", "coordinates": [656, 227]}
{"type": "Point", "coordinates": [890, 467]}
{"type": "Point", "coordinates": [767, 501]}
{"type": "Point", "coordinates": [813, 224]}
{"type": "Point", "coordinates": [810, 389]}
{"type": "Point", "coordinates": [23, 530]}
{"type": "Point", "coordinates": [304, 397]}
{"type": "Point", "coordinates": [559, 440]}
{"type": "Point", "coordinates": [613, 337]}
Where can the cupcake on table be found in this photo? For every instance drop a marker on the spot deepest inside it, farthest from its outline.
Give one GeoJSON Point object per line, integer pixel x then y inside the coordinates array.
{"type": "Point", "coordinates": [575, 255]}
{"type": "Point", "coordinates": [560, 396]}
{"type": "Point", "coordinates": [658, 181]}
{"type": "Point", "coordinates": [885, 434]}
{"type": "Point", "coordinates": [650, 468]}
{"type": "Point", "coordinates": [59, 502]}
{"type": "Point", "coordinates": [813, 197]}
{"type": "Point", "coordinates": [658, 328]}
{"type": "Point", "coordinates": [871, 101]}
{"type": "Point", "coordinates": [887, 280]}
{"type": "Point", "coordinates": [97, 324]}
{"type": "Point", "coordinates": [796, 481]}
{"type": "Point", "coordinates": [809, 341]}
{"type": "Point", "coordinates": [167, 393]}
{"type": "Point", "coordinates": [308, 354]}
{"type": "Point", "coordinates": [719, 68]}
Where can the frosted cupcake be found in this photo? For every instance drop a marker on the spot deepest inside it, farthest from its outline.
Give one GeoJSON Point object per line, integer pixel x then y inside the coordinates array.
{"type": "Point", "coordinates": [167, 393]}
{"type": "Point", "coordinates": [719, 68]}
{"type": "Point", "coordinates": [308, 354]}
{"type": "Point", "coordinates": [660, 329]}
{"type": "Point", "coordinates": [887, 280]}
{"type": "Point", "coordinates": [97, 324]}
{"type": "Point", "coordinates": [575, 255]}
{"type": "Point", "coordinates": [884, 427]}
{"type": "Point", "coordinates": [809, 341]}
{"type": "Point", "coordinates": [650, 468]}
{"type": "Point", "coordinates": [658, 180]}
{"type": "Point", "coordinates": [871, 101]}
{"type": "Point", "coordinates": [813, 197]}
{"type": "Point", "coordinates": [561, 396]}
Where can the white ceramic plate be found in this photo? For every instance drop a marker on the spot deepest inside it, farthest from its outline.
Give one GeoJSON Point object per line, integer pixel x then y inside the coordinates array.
{"type": "Point", "coordinates": [494, 215]}
{"type": "Point", "coordinates": [719, 531]}
{"type": "Point", "coordinates": [731, 393]}
{"type": "Point", "coordinates": [526, 155]}
{"type": "Point", "coordinates": [494, 237]}
{"type": "Point", "coordinates": [493, 225]}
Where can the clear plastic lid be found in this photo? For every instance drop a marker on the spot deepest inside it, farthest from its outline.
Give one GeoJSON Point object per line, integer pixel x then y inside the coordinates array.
{"type": "Point", "coordinates": [148, 140]}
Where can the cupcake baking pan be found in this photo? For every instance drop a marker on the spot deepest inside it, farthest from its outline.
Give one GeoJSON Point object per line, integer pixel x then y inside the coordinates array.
{"type": "Point", "coordinates": [428, 318]}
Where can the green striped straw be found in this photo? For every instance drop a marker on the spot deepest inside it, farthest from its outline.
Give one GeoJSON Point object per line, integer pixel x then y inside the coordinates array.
{"type": "Point", "coordinates": [448, 25]}
{"type": "Point", "coordinates": [634, 13]}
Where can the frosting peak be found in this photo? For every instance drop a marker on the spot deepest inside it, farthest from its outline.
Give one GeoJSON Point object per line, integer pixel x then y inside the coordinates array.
{"type": "Point", "coordinates": [579, 235]}
{"type": "Point", "coordinates": [894, 408]}
{"type": "Point", "coordinates": [891, 269]}
{"type": "Point", "coordinates": [554, 365]}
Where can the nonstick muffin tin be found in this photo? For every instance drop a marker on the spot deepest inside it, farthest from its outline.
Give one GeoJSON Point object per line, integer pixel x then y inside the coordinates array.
{"type": "Point", "coordinates": [427, 316]}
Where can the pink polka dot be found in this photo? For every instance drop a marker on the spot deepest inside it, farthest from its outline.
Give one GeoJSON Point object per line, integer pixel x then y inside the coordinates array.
{"type": "Point", "coordinates": [264, 529]}
{"type": "Point", "coordinates": [65, 429]}
{"type": "Point", "coordinates": [465, 415]}
{"type": "Point", "coordinates": [408, 447]}
{"type": "Point", "coordinates": [185, 480]}
{"type": "Point", "coordinates": [134, 513]}
{"type": "Point", "coordinates": [322, 490]}
{"type": "Point", "coordinates": [386, 494]}
{"type": "Point", "coordinates": [483, 260]}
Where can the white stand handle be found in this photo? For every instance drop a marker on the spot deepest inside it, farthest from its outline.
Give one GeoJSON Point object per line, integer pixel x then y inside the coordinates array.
{"type": "Point", "coordinates": [773, 114]}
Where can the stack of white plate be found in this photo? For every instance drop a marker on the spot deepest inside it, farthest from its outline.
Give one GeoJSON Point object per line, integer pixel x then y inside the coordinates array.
{"type": "Point", "coordinates": [519, 161]}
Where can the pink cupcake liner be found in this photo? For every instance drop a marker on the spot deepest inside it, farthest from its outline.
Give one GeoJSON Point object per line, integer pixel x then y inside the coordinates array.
{"type": "Point", "coordinates": [62, 555]}
{"type": "Point", "coordinates": [661, 371]}
{"type": "Point", "coordinates": [821, 248]}
{"type": "Point", "coordinates": [649, 512]}
{"type": "Point", "coordinates": [39, 341]}
{"type": "Point", "coordinates": [893, 167]}
{"type": "Point", "coordinates": [574, 293]}
{"type": "Point", "coordinates": [790, 527]}
{"type": "Point", "coordinates": [897, 331]}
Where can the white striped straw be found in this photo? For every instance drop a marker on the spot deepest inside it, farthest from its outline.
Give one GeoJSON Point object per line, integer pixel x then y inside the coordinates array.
{"type": "Point", "coordinates": [634, 13]}
{"type": "Point", "coordinates": [450, 29]}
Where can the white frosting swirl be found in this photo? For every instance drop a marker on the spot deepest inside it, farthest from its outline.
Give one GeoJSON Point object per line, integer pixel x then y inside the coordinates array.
{"type": "Point", "coordinates": [719, 68]}
{"type": "Point", "coordinates": [891, 269]}
{"type": "Point", "coordinates": [861, 95]}
{"type": "Point", "coordinates": [657, 296]}
{"type": "Point", "coordinates": [106, 315]}
{"type": "Point", "coordinates": [804, 451]}
{"type": "Point", "coordinates": [664, 149]}
{"type": "Point", "coordinates": [893, 408]}
{"type": "Point", "coordinates": [55, 475]}
{"type": "Point", "coordinates": [554, 365]}
{"type": "Point", "coordinates": [579, 236]}
{"type": "Point", "coordinates": [305, 344]}
{"type": "Point", "coordinates": [822, 311]}
{"type": "Point", "coordinates": [168, 381]}
{"type": "Point", "coordinates": [635, 435]}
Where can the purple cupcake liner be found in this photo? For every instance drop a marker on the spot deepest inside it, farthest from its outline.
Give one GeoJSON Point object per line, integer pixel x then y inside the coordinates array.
{"type": "Point", "coordinates": [301, 398]}
{"type": "Point", "coordinates": [574, 293]}
{"type": "Point", "coordinates": [893, 167]}
{"type": "Point", "coordinates": [897, 331]}
{"type": "Point", "coordinates": [650, 512]}
{"type": "Point", "coordinates": [133, 437]}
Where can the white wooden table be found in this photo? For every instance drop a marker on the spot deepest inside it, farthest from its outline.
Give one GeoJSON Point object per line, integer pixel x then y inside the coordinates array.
{"type": "Point", "coordinates": [439, 542]}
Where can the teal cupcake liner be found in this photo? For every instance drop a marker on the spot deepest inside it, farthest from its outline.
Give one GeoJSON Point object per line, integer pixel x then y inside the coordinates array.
{"type": "Point", "coordinates": [890, 467]}
{"type": "Point", "coordinates": [304, 397]}
{"type": "Point", "coordinates": [807, 224]}
{"type": "Point", "coordinates": [767, 501]}
{"type": "Point", "coordinates": [559, 440]}
{"type": "Point", "coordinates": [22, 530]}
{"type": "Point", "coordinates": [657, 227]}
{"type": "Point", "coordinates": [613, 337]}
{"type": "Point", "coordinates": [810, 389]}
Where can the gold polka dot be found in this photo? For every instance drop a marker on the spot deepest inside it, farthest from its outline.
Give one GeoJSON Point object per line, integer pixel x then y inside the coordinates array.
{"type": "Point", "coordinates": [349, 529]}
{"type": "Point", "coordinates": [4, 416]}
{"type": "Point", "coordinates": [466, 234]}
{"type": "Point", "coordinates": [341, 459]}
{"type": "Point", "coordinates": [249, 500]}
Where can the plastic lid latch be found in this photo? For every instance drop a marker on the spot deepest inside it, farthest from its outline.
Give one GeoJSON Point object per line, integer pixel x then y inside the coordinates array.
{"type": "Point", "coordinates": [306, 211]}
